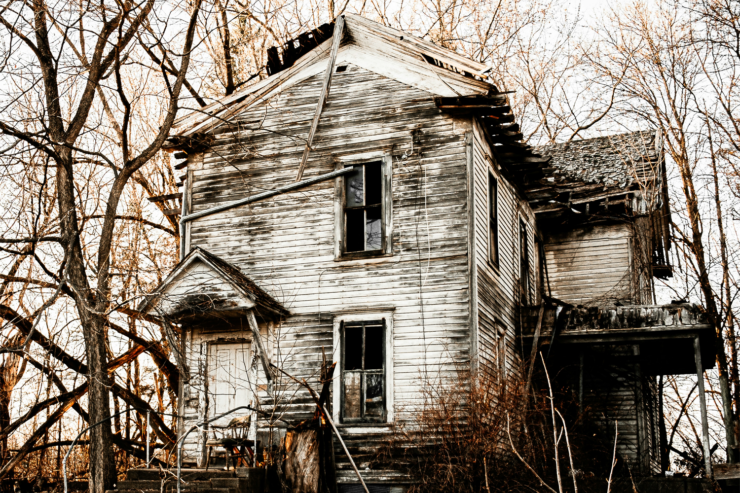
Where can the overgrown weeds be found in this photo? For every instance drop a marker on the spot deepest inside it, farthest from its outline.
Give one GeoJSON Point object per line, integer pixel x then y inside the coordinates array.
{"type": "Point", "coordinates": [486, 434]}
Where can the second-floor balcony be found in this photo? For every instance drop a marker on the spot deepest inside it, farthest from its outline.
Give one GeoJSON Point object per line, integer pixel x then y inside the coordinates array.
{"type": "Point", "coordinates": [667, 335]}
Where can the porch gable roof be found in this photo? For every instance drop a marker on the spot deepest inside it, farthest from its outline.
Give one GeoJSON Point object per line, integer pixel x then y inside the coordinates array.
{"type": "Point", "coordinates": [203, 283]}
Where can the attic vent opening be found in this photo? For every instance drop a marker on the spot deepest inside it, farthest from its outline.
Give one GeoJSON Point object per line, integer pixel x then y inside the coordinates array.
{"type": "Point", "coordinates": [342, 68]}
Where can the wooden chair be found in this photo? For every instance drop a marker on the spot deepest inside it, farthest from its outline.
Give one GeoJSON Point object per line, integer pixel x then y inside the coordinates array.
{"type": "Point", "coordinates": [233, 439]}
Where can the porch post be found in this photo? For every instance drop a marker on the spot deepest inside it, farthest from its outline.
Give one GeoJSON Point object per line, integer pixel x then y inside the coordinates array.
{"type": "Point", "coordinates": [703, 403]}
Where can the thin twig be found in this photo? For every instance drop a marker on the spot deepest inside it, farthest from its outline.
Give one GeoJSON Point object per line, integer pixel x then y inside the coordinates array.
{"type": "Point", "coordinates": [570, 455]}
{"type": "Point", "coordinates": [554, 427]}
{"type": "Point", "coordinates": [513, 448]}
{"type": "Point", "coordinates": [614, 456]}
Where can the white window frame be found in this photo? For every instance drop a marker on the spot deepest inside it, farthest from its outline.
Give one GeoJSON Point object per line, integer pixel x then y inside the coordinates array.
{"type": "Point", "coordinates": [387, 205]}
{"type": "Point", "coordinates": [337, 382]}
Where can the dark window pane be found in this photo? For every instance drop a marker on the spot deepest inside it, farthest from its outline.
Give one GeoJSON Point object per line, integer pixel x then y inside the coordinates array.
{"type": "Point", "coordinates": [374, 229]}
{"type": "Point", "coordinates": [353, 348]}
{"type": "Point", "coordinates": [354, 188]}
{"type": "Point", "coordinates": [493, 218]}
{"type": "Point", "coordinates": [373, 184]}
{"type": "Point", "coordinates": [374, 347]}
{"type": "Point", "coordinates": [355, 230]}
{"type": "Point", "coordinates": [352, 402]}
{"type": "Point", "coordinates": [524, 261]}
{"type": "Point", "coordinates": [374, 394]}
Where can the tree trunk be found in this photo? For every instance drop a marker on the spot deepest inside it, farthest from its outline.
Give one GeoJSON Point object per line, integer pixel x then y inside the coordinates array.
{"type": "Point", "coordinates": [102, 464]}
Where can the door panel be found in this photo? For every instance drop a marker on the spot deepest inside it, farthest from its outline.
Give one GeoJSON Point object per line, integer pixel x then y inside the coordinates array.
{"type": "Point", "coordinates": [230, 380]}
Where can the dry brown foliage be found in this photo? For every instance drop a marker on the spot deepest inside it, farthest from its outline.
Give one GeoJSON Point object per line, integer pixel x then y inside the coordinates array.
{"type": "Point", "coordinates": [458, 440]}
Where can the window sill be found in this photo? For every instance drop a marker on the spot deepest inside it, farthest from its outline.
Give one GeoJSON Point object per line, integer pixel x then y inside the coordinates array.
{"type": "Point", "coordinates": [358, 424]}
{"type": "Point", "coordinates": [494, 267]}
{"type": "Point", "coordinates": [362, 255]}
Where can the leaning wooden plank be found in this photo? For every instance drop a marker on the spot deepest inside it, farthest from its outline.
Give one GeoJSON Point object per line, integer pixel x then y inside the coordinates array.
{"type": "Point", "coordinates": [337, 38]}
{"type": "Point", "coordinates": [162, 198]}
{"type": "Point", "coordinates": [535, 343]}
{"type": "Point", "coordinates": [264, 195]}
{"type": "Point", "coordinates": [266, 365]}
{"type": "Point", "coordinates": [351, 461]}
{"type": "Point", "coordinates": [171, 212]}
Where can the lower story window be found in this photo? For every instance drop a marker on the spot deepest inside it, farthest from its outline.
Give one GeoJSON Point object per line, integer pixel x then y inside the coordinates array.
{"type": "Point", "coordinates": [363, 371]}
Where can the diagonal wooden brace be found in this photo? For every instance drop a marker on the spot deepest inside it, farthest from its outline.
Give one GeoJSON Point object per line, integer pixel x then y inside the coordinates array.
{"type": "Point", "coordinates": [338, 30]}
{"type": "Point", "coordinates": [266, 365]}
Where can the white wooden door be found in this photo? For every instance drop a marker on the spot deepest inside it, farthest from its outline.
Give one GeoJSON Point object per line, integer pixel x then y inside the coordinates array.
{"type": "Point", "coordinates": [231, 380]}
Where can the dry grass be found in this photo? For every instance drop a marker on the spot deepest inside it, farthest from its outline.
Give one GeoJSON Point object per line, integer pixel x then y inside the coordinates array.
{"type": "Point", "coordinates": [459, 441]}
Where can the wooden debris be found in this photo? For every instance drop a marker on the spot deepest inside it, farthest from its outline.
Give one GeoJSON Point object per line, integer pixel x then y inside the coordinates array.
{"type": "Point", "coordinates": [338, 30]}
{"type": "Point", "coordinates": [163, 198]}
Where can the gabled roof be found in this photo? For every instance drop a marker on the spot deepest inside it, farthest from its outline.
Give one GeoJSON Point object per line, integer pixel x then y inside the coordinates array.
{"type": "Point", "coordinates": [186, 292]}
{"type": "Point", "coordinates": [592, 169]}
{"type": "Point", "coordinates": [381, 49]}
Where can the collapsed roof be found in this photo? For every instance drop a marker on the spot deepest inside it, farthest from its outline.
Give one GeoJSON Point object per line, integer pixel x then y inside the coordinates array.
{"type": "Point", "coordinates": [601, 168]}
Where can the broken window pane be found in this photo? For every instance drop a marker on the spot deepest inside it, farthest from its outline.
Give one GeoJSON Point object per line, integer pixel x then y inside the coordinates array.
{"type": "Point", "coordinates": [364, 208]}
{"type": "Point", "coordinates": [355, 189]}
{"type": "Point", "coordinates": [355, 228]}
{"type": "Point", "coordinates": [363, 371]}
{"type": "Point", "coordinates": [524, 262]}
{"type": "Point", "coordinates": [374, 229]}
{"type": "Point", "coordinates": [374, 394]}
{"type": "Point", "coordinates": [352, 392]}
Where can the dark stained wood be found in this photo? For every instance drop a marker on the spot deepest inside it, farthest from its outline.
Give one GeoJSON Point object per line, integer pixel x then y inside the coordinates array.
{"type": "Point", "coordinates": [163, 198]}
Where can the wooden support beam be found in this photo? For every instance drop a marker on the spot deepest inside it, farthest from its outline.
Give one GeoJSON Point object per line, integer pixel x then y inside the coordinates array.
{"type": "Point", "coordinates": [163, 198]}
{"type": "Point", "coordinates": [703, 403]}
{"type": "Point", "coordinates": [338, 31]}
{"type": "Point", "coordinates": [351, 461]}
{"type": "Point", "coordinates": [264, 195]}
{"type": "Point", "coordinates": [535, 343]}
{"type": "Point", "coordinates": [260, 347]}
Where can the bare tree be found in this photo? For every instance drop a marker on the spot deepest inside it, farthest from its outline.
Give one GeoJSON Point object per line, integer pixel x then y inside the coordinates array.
{"type": "Point", "coordinates": [57, 78]}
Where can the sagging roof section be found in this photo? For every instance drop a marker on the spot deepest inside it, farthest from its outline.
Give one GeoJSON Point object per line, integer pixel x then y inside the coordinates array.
{"type": "Point", "coordinates": [283, 57]}
{"type": "Point", "coordinates": [521, 164]}
{"type": "Point", "coordinates": [203, 284]}
{"type": "Point", "coordinates": [588, 170]}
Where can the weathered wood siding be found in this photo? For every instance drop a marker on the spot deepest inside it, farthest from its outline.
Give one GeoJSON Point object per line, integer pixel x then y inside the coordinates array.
{"type": "Point", "coordinates": [591, 265]}
{"type": "Point", "coordinates": [615, 391]}
{"type": "Point", "coordinates": [286, 243]}
{"type": "Point", "coordinates": [498, 286]}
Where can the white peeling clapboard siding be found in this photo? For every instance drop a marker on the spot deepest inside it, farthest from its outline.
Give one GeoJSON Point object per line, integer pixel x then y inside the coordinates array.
{"type": "Point", "coordinates": [590, 265]}
{"type": "Point", "coordinates": [498, 285]}
{"type": "Point", "coordinates": [286, 243]}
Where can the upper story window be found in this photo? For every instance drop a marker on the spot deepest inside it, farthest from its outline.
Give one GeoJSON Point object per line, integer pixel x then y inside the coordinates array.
{"type": "Point", "coordinates": [364, 214]}
{"type": "Point", "coordinates": [524, 268]}
{"type": "Point", "coordinates": [492, 219]}
{"type": "Point", "coordinates": [363, 371]}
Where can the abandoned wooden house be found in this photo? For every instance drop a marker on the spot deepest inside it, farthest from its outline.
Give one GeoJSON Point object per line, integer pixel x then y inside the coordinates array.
{"type": "Point", "coordinates": [371, 203]}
